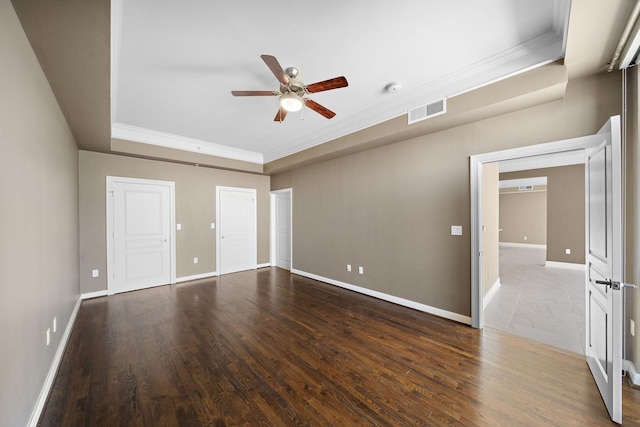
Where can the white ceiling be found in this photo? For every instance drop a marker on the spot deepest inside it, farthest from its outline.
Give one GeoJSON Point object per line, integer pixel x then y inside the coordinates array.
{"type": "Point", "coordinates": [174, 64]}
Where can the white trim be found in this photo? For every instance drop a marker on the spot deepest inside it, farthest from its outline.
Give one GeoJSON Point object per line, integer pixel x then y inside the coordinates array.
{"type": "Point", "coordinates": [521, 245]}
{"type": "Point", "coordinates": [111, 180]}
{"type": "Point", "coordinates": [566, 158]}
{"type": "Point", "coordinates": [566, 265]}
{"type": "Point", "coordinates": [386, 297]}
{"type": "Point", "coordinates": [632, 372]}
{"type": "Point", "coordinates": [168, 140]}
{"type": "Point", "coordinates": [263, 265]}
{"type": "Point", "coordinates": [95, 294]}
{"type": "Point", "coordinates": [196, 277]}
{"type": "Point", "coordinates": [53, 369]}
{"type": "Point", "coordinates": [492, 292]}
{"type": "Point", "coordinates": [476, 161]}
{"type": "Point", "coordinates": [255, 223]}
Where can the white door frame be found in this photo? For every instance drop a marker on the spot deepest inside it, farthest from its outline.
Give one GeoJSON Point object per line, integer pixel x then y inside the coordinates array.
{"type": "Point", "coordinates": [564, 146]}
{"type": "Point", "coordinates": [111, 181]}
{"type": "Point", "coordinates": [218, 227]}
{"type": "Point", "coordinates": [272, 247]}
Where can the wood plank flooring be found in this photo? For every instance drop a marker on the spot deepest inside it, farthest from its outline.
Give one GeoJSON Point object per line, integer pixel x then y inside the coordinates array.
{"type": "Point", "coordinates": [264, 347]}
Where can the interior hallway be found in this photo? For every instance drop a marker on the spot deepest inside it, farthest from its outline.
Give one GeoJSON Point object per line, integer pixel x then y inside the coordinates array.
{"type": "Point", "coordinates": [541, 303]}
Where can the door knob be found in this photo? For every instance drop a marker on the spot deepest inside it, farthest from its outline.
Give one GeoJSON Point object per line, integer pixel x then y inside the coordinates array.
{"type": "Point", "coordinates": [615, 285]}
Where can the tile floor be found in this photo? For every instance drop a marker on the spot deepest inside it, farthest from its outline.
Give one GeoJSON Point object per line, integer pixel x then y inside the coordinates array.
{"type": "Point", "coordinates": [541, 303]}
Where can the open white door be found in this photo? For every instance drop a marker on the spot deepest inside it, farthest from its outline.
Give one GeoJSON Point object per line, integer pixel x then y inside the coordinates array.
{"type": "Point", "coordinates": [603, 311]}
{"type": "Point", "coordinates": [282, 229]}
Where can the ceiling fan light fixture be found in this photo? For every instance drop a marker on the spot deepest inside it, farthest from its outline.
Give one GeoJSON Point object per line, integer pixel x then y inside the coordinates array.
{"type": "Point", "coordinates": [291, 102]}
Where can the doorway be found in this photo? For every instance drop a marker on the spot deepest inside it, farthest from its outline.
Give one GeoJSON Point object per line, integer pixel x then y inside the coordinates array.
{"type": "Point", "coordinates": [604, 249]}
{"type": "Point", "coordinates": [236, 235]}
{"type": "Point", "coordinates": [541, 265]}
{"type": "Point", "coordinates": [519, 159]}
{"type": "Point", "coordinates": [140, 236]}
{"type": "Point", "coordinates": [281, 228]}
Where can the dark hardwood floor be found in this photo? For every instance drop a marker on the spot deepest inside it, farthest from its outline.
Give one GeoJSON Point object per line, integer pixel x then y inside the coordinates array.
{"type": "Point", "coordinates": [265, 347]}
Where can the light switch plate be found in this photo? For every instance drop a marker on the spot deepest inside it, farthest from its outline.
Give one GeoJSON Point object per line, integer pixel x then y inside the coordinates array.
{"type": "Point", "coordinates": [348, 267]}
{"type": "Point", "coordinates": [213, 226]}
{"type": "Point", "coordinates": [456, 230]}
{"type": "Point", "coordinates": [178, 226]}
{"type": "Point", "coordinates": [95, 273]}
{"type": "Point", "coordinates": [360, 270]}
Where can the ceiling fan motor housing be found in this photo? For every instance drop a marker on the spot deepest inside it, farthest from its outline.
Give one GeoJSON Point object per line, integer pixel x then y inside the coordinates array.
{"type": "Point", "coordinates": [292, 72]}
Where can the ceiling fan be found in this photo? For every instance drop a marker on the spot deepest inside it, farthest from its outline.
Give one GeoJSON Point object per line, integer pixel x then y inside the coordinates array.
{"type": "Point", "coordinates": [292, 90]}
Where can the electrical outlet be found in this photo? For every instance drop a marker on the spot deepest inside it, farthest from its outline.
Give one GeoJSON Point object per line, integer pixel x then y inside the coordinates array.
{"type": "Point", "coordinates": [48, 336]}
{"type": "Point", "coordinates": [632, 327]}
{"type": "Point", "coordinates": [348, 267]}
{"type": "Point", "coordinates": [55, 324]}
{"type": "Point", "coordinates": [195, 260]}
{"type": "Point", "coordinates": [525, 237]}
{"type": "Point", "coordinates": [567, 251]}
{"type": "Point", "coordinates": [360, 270]}
{"type": "Point", "coordinates": [95, 273]}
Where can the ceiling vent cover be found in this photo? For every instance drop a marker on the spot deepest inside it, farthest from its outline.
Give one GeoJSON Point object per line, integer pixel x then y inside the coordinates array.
{"type": "Point", "coordinates": [427, 111]}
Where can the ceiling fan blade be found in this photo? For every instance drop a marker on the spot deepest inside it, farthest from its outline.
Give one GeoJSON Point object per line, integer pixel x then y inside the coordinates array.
{"type": "Point", "coordinates": [280, 115]}
{"type": "Point", "coordinates": [275, 68]}
{"type": "Point", "coordinates": [334, 83]}
{"type": "Point", "coordinates": [254, 93]}
{"type": "Point", "coordinates": [323, 111]}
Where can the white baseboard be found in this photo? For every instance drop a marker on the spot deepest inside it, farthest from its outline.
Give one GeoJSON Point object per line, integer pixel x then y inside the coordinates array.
{"type": "Point", "coordinates": [266, 264]}
{"type": "Point", "coordinates": [567, 265]}
{"type": "Point", "coordinates": [53, 369]}
{"type": "Point", "coordinates": [492, 292]}
{"type": "Point", "coordinates": [196, 277]}
{"type": "Point", "coordinates": [522, 245]}
{"type": "Point", "coordinates": [632, 373]}
{"type": "Point", "coordinates": [386, 297]}
{"type": "Point", "coordinates": [96, 294]}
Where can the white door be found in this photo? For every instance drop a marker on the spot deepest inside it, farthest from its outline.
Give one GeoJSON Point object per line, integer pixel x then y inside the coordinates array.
{"type": "Point", "coordinates": [140, 226]}
{"type": "Point", "coordinates": [604, 266]}
{"type": "Point", "coordinates": [237, 239]}
{"type": "Point", "coordinates": [283, 229]}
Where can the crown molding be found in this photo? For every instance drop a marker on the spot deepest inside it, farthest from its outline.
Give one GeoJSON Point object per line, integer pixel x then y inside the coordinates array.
{"type": "Point", "coordinates": [162, 139]}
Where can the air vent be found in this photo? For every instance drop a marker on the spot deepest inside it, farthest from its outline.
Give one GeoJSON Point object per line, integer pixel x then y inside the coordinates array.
{"type": "Point", "coordinates": [427, 111]}
{"type": "Point", "coordinates": [525, 188]}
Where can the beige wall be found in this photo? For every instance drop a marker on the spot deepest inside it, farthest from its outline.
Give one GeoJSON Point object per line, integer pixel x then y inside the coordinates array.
{"type": "Point", "coordinates": [490, 225]}
{"type": "Point", "coordinates": [565, 210]}
{"type": "Point", "coordinates": [195, 210]}
{"type": "Point", "coordinates": [38, 223]}
{"type": "Point", "coordinates": [632, 235]}
{"type": "Point", "coordinates": [523, 216]}
{"type": "Point", "coordinates": [390, 209]}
